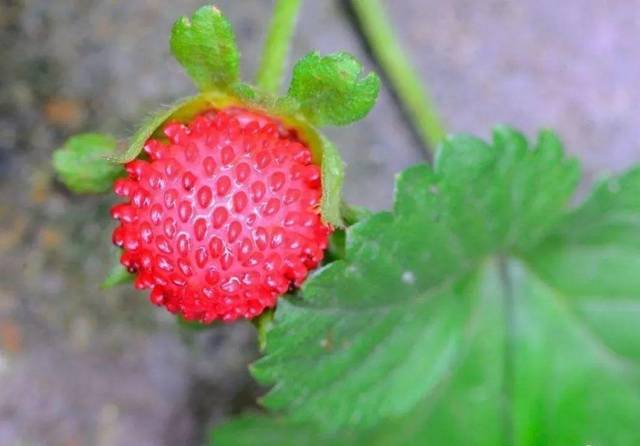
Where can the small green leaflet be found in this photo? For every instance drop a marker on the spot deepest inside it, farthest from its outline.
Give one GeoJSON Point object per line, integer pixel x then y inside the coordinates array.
{"type": "Point", "coordinates": [329, 90]}
{"type": "Point", "coordinates": [206, 47]}
{"type": "Point", "coordinates": [481, 311]}
{"type": "Point", "coordinates": [82, 164]}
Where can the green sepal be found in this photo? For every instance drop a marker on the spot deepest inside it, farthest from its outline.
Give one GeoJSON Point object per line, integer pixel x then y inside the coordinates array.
{"type": "Point", "coordinates": [245, 96]}
{"type": "Point", "coordinates": [332, 180]}
{"type": "Point", "coordinates": [256, 98]}
{"type": "Point", "coordinates": [263, 324]}
{"type": "Point", "coordinates": [82, 166]}
{"type": "Point", "coordinates": [192, 325]}
{"type": "Point", "coordinates": [117, 276]}
{"type": "Point", "coordinates": [206, 47]}
{"type": "Point", "coordinates": [329, 89]}
{"type": "Point", "coordinates": [150, 128]}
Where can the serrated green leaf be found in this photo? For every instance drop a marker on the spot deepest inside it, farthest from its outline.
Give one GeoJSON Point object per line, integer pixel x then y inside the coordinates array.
{"type": "Point", "coordinates": [206, 47]}
{"type": "Point", "coordinates": [255, 429]}
{"type": "Point", "coordinates": [477, 200]}
{"type": "Point", "coordinates": [329, 89]}
{"type": "Point", "coordinates": [593, 259]}
{"type": "Point", "coordinates": [82, 164]}
{"type": "Point", "coordinates": [482, 311]}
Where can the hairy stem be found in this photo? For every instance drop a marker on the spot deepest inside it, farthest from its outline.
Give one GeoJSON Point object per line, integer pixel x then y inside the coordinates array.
{"type": "Point", "coordinates": [413, 95]}
{"type": "Point", "coordinates": [276, 46]}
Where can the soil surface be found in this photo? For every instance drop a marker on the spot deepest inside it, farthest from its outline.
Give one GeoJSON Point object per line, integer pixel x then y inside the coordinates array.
{"type": "Point", "coordinates": [80, 365]}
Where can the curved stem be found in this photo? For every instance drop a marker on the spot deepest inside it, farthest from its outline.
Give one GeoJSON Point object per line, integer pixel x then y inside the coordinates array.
{"type": "Point", "coordinates": [403, 78]}
{"type": "Point", "coordinates": [276, 46]}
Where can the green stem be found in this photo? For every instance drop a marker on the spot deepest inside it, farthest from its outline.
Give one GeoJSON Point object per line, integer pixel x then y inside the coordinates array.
{"type": "Point", "coordinates": [404, 80]}
{"type": "Point", "coordinates": [276, 46]}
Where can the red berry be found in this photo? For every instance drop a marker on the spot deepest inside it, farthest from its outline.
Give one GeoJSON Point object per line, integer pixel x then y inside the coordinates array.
{"type": "Point", "coordinates": [223, 218]}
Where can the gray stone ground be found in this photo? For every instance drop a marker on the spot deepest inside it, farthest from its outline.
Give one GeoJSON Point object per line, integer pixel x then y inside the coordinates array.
{"type": "Point", "coordinates": [82, 366]}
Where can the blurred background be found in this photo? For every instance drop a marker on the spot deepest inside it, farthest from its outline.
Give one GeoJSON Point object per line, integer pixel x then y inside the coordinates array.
{"type": "Point", "coordinates": [84, 366]}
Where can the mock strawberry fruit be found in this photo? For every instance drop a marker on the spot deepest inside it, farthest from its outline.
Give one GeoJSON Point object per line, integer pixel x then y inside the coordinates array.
{"type": "Point", "coordinates": [223, 217]}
